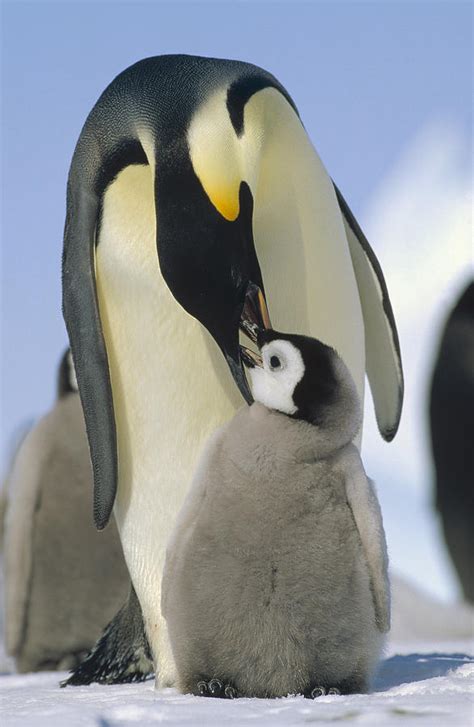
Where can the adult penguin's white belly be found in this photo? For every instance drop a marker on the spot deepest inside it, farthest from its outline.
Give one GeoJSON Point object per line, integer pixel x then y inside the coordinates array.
{"type": "Point", "coordinates": [171, 386]}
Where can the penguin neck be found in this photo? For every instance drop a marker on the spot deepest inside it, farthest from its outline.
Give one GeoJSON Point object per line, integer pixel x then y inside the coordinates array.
{"type": "Point", "coordinates": [307, 442]}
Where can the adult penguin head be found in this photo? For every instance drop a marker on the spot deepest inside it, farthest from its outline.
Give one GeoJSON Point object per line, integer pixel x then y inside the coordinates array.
{"type": "Point", "coordinates": [205, 152]}
{"type": "Point", "coordinates": [205, 173]}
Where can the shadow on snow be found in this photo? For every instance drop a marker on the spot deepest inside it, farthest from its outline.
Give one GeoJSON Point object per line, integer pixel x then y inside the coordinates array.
{"type": "Point", "coordinates": [403, 669]}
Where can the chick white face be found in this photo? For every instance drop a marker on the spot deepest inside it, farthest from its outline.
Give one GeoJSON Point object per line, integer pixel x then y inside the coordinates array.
{"type": "Point", "coordinates": [274, 384]}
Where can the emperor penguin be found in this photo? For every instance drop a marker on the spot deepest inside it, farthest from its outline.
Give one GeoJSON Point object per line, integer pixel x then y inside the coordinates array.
{"type": "Point", "coordinates": [63, 580]}
{"type": "Point", "coordinates": [451, 407]}
{"type": "Point", "coordinates": [275, 580]}
{"type": "Point", "coordinates": [194, 187]}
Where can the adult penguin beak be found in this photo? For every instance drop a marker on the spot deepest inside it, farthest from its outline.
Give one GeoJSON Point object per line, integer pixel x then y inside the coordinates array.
{"type": "Point", "coordinates": [255, 314]}
{"type": "Point", "coordinates": [250, 358]}
{"type": "Point", "coordinates": [254, 318]}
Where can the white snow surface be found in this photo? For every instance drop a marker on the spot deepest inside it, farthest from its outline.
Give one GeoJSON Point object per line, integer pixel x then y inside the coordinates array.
{"type": "Point", "coordinates": [420, 684]}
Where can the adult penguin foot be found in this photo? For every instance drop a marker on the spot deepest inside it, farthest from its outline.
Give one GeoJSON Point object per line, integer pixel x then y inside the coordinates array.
{"type": "Point", "coordinates": [121, 655]}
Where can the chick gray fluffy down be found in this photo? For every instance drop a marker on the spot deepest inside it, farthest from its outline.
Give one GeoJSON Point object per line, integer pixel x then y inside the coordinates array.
{"type": "Point", "coordinates": [276, 573]}
{"type": "Point", "coordinates": [63, 580]}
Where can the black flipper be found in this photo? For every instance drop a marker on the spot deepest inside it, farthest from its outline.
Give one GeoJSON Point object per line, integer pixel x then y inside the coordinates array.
{"type": "Point", "coordinates": [382, 347]}
{"type": "Point", "coordinates": [81, 313]}
{"type": "Point", "coordinates": [122, 654]}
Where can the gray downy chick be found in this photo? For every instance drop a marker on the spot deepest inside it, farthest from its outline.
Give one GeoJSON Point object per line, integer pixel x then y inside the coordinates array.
{"type": "Point", "coordinates": [63, 580]}
{"type": "Point", "coordinates": [276, 580]}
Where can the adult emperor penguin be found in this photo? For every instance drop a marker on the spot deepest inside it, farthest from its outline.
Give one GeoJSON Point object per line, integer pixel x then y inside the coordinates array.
{"type": "Point", "coordinates": [193, 185]}
{"type": "Point", "coordinates": [451, 409]}
{"type": "Point", "coordinates": [275, 579]}
{"type": "Point", "coordinates": [63, 580]}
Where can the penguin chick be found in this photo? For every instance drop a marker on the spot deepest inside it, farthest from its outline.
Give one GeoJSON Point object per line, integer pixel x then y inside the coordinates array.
{"type": "Point", "coordinates": [275, 579]}
{"type": "Point", "coordinates": [63, 580]}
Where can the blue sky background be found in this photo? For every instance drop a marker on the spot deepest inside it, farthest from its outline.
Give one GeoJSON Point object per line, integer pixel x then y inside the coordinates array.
{"type": "Point", "coordinates": [366, 77]}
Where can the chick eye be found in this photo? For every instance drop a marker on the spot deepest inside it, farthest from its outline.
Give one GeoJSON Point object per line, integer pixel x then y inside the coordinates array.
{"type": "Point", "coordinates": [275, 362]}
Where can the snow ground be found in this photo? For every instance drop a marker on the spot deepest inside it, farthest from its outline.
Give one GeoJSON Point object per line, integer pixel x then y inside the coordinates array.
{"type": "Point", "coordinates": [427, 683]}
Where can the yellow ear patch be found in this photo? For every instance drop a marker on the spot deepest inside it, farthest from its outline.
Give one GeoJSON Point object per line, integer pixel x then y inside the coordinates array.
{"type": "Point", "coordinates": [215, 155]}
{"type": "Point", "coordinates": [225, 201]}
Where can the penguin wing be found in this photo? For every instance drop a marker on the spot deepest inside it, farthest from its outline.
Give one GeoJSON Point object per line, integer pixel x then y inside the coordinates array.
{"type": "Point", "coordinates": [382, 348]}
{"type": "Point", "coordinates": [363, 502]}
{"type": "Point", "coordinates": [81, 314]}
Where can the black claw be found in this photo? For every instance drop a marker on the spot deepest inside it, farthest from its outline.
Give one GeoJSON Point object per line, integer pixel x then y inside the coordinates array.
{"type": "Point", "coordinates": [317, 692]}
{"type": "Point", "coordinates": [202, 688]}
{"type": "Point", "coordinates": [215, 687]}
{"type": "Point", "coordinates": [230, 692]}
{"type": "Point", "coordinates": [334, 690]}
